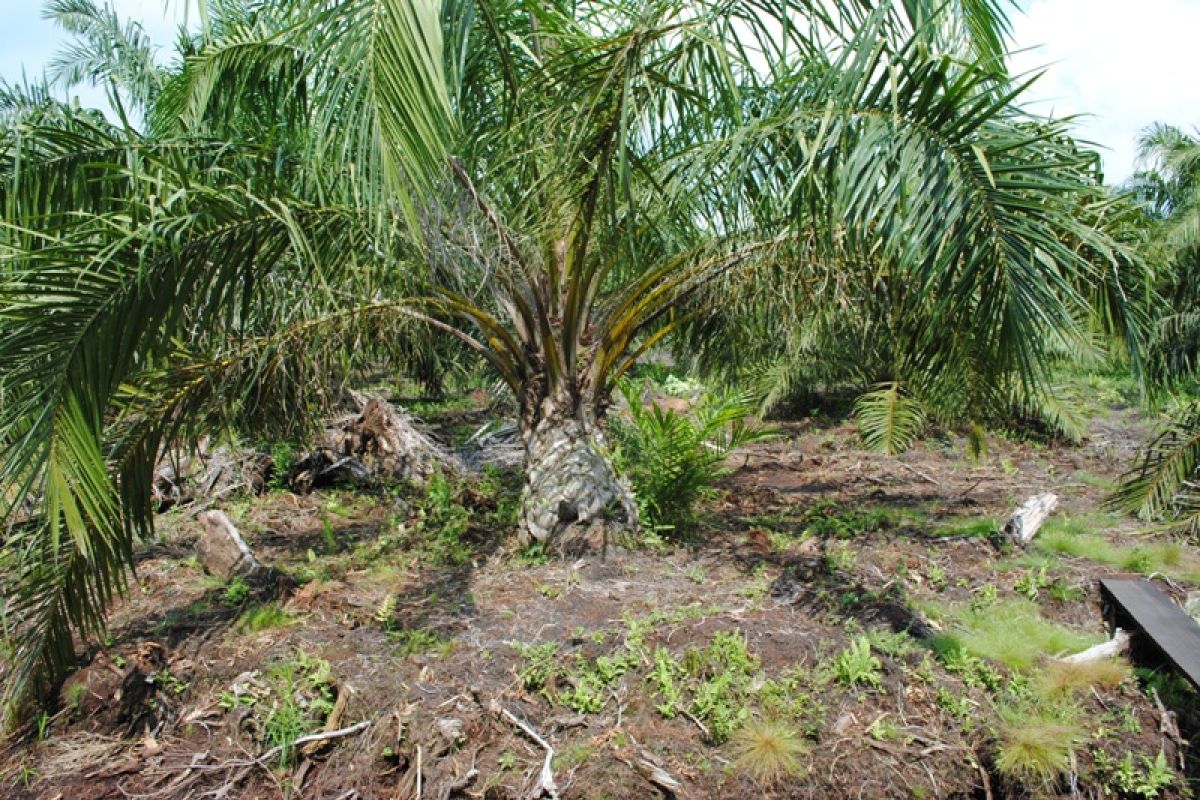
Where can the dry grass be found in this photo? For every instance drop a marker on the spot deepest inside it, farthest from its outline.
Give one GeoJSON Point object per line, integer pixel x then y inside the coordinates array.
{"type": "Point", "coordinates": [1035, 749]}
{"type": "Point", "coordinates": [768, 751]}
{"type": "Point", "coordinates": [1062, 678]}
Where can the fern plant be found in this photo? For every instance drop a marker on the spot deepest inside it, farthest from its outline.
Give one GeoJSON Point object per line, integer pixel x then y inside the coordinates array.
{"type": "Point", "coordinates": [673, 459]}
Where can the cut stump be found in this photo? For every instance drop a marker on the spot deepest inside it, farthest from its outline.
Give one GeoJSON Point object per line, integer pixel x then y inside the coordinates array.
{"type": "Point", "coordinates": [224, 553]}
{"type": "Point", "coordinates": [1025, 522]}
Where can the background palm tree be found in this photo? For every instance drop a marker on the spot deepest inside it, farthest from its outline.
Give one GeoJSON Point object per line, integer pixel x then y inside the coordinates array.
{"type": "Point", "coordinates": [556, 187]}
{"type": "Point", "coordinates": [1164, 483]}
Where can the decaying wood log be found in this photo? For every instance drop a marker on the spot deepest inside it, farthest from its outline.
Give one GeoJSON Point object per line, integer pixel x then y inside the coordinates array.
{"type": "Point", "coordinates": [386, 439]}
{"type": "Point", "coordinates": [376, 442]}
{"type": "Point", "coordinates": [1118, 644]}
{"type": "Point", "coordinates": [1024, 523]}
{"type": "Point", "coordinates": [223, 552]}
{"type": "Point", "coordinates": [324, 467]}
{"type": "Point", "coordinates": [209, 473]}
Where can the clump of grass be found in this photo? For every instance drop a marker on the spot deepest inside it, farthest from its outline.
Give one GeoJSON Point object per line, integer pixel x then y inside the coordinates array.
{"type": "Point", "coordinates": [768, 751]}
{"type": "Point", "coordinates": [413, 642]}
{"type": "Point", "coordinates": [973, 528]}
{"type": "Point", "coordinates": [1012, 632]}
{"type": "Point", "coordinates": [261, 617]}
{"type": "Point", "coordinates": [1060, 679]}
{"type": "Point", "coordinates": [1035, 749]}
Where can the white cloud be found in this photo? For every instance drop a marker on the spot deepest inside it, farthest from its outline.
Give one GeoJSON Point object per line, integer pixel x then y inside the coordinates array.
{"type": "Point", "coordinates": [1125, 64]}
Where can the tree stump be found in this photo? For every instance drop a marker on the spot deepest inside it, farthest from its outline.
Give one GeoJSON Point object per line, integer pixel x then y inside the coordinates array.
{"type": "Point", "coordinates": [1024, 523]}
{"type": "Point", "coordinates": [223, 552]}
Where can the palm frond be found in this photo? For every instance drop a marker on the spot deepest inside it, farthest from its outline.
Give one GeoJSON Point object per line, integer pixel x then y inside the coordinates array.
{"type": "Point", "coordinates": [1165, 483]}
{"type": "Point", "coordinates": [889, 421]}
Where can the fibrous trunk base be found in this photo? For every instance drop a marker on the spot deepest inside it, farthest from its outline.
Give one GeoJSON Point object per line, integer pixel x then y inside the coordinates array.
{"type": "Point", "coordinates": [573, 502]}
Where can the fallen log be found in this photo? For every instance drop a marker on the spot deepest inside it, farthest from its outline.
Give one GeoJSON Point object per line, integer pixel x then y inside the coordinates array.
{"type": "Point", "coordinates": [1025, 522]}
{"type": "Point", "coordinates": [1114, 647]}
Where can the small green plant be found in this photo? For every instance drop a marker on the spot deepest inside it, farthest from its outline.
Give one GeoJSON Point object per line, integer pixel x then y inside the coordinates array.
{"type": "Point", "coordinates": [532, 555]}
{"type": "Point", "coordinates": [327, 538]}
{"type": "Point", "coordinates": [673, 459]}
{"type": "Point", "coordinates": [261, 617]}
{"type": "Point", "coordinates": [856, 665]}
{"type": "Point", "coordinates": [666, 675]}
{"type": "Point", "coordinates": [1031, 583]}
{"type": "Point", "coordinates": [74, 694]}
{"type": "Point", "coordinates": [936, 577]}
{"type": "Point", "coordinates": [385, 612]}
{"type": "Point", "coordinates": [883, 729]}
{"type": "Point", "coordinates": [841, 557]}
{"type": "Point", "coordinates": [301, 696]}
{"type": "Point", "coordinates": [171, 682]}
{"type": "Point", "coordinates": [974, 671]}
{"type": "Point", "coordinates": [1064, 592]}
{"type": "Point", "coordinates": [957, 705]}
{"type": "Point", "coordinates": [985, 597]}
{"type": "Point", "coordinates": [412, 642]}
{"type": "Point", "coordinates": [768, 751]}
{"type": "Point", "coordinates": [283, 455]}
{"type": "Point", "coordinates": [1129, 780]}
{"type": "Point", "coordinates": [236, 592]}
{"type": "Point", "coordinates": [540, 663]}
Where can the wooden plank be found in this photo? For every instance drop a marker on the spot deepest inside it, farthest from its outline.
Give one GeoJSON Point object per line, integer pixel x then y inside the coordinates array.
{"type": "Point", "coordinates": [1143, 606]}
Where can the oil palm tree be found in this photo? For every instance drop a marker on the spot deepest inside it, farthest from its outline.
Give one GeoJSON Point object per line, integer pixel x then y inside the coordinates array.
{"type": "Point", "coordinates": [1163, 484]}
{"type": "Point", "coordinates": [556, 186]}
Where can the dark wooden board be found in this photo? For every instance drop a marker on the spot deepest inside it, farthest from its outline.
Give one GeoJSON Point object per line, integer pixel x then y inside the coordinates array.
{"type": "Point", "coordinates": [1140, 606]}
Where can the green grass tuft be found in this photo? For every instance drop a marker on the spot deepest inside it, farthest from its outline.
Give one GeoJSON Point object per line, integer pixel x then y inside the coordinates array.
{"type": "Point", "coordinates": [261, 617]}
{"type": "Point", "coordinates": [1061, 679]}
{"type": "Point", "coordinates": [1012, 632]}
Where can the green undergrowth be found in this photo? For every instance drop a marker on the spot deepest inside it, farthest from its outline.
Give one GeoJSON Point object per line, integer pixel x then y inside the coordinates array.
{"type": "Point", "coordinates": [261, 617]}
{"type": "Point", "coordinates": [1011, 632]}
{"type": "Point", "coordinates": [718, 684]}
{"type": "Point", "coordinates": [292, 698]}
{"type": "Point", "coordinates": [1037, 743]}
{"type": "Point", "coordinates": [837, 520]}
{"type": "Point", "coordinates": [1078, 537]}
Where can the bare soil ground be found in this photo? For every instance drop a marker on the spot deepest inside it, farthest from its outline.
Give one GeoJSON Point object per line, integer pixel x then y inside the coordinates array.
{"type": "Point", "coordinates": [810, 545]}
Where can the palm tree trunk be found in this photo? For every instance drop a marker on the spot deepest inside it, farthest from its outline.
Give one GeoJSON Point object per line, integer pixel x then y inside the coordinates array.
{"type": "Point", "coordinates": [573, 502]}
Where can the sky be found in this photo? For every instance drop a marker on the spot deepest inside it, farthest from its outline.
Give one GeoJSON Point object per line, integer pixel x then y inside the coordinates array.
{"type": "Point", "coordinates": [1124, 64]}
